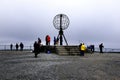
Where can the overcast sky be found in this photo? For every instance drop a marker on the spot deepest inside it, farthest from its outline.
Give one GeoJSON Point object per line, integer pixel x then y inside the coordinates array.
{"type": "Point", "coordinates": [91, 21]}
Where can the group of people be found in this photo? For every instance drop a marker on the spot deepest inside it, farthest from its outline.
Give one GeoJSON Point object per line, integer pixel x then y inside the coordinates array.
{"type": "Point", "coordinates": [48, 39]}
{"type": "Point", "coordinates": [21, 45]}
{"type": "Point", "coordinates": [37, 44]}
{"type": "Point", "coordinates": [92, 48]}
{"type": "Point", "coordinates": [83, 48]}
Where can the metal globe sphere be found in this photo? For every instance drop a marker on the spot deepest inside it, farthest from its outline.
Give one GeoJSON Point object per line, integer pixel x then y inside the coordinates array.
{"type": "Point", "coordinates": [61, 22]}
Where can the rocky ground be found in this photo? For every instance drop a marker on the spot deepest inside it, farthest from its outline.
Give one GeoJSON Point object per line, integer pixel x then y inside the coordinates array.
{"type": "Point", "coordinates": [23, 66]}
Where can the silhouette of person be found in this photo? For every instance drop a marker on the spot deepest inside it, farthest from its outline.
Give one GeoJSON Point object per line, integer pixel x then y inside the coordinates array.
{"type": "Point", "coordinates": [55, 40]}
{"type": "Point", "coordinates": [36, 48]}
{"type": "Point", "coordinates": [46, 39]}
{"type": "Point", "coordinates": [21, 46]}
{"type": "Point", "coordinates": [39, 40]}
{"type": "Point", "coordinates": [39, 43]}
{"type": "Point", "coordinates": [17, 46]}
{"type": "Point", "coordinates": [11, 46]}
{"type": "Point", "coordinates": [101, 47]}
{"type": "Point", "coordinates": [92, 48]}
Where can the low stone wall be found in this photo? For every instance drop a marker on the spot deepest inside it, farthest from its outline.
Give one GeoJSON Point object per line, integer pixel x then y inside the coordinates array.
{"type": "Point", "coordinates": [51, 49]}
{"type": "Point", "coordinates": [66, 50]}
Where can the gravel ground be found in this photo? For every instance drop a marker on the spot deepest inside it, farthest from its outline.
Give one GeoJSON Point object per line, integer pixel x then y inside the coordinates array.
{"type": "Point", "coordinates": [23, 66]}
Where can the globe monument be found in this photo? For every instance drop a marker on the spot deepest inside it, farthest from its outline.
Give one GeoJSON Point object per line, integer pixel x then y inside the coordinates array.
{"type": "Point", "coordinates": [61, 22]}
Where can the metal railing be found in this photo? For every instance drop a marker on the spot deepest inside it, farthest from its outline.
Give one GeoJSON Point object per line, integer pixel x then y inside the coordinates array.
{"type": "Point", "coordinates": [7, 47]}
{"type": "Point", "coordinates": [109, 50]}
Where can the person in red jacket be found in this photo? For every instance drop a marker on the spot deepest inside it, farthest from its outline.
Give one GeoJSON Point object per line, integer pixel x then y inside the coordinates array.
{"type": "Point", "coordinates": [47, 40]}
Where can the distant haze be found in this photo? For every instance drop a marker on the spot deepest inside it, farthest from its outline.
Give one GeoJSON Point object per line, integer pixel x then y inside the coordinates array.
{"type": "Point", "coordinates": [91, 21]}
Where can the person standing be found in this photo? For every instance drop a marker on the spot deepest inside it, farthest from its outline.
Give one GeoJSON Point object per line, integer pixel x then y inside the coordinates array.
{"type": "Point", "coordinates": [83, 48]}
{"type": "Point", "coordinates": [21, 46]}
{"type": "Point", "coordinates": [17, 46]}
{"type": "Point", "coordinates": [39, 41]}
{"type": "Point", "coordinates": [11, 46]}
{"type": "Point", "coordinates": [39, 44]}
{"type": "Point", "coordinates": [36, 48]}
{"type": "Point", "coordinates": [47, 40]}
{"type": "Point", "coordinates": [92, 48]}
{"type": "Point", "coordinates": [101, 47]}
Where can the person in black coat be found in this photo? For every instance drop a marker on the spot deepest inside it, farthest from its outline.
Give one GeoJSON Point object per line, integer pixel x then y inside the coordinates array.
{"type": "Point", "coordinates": [101, 47]}
{"type": "Point", "coordinates": [36, 48]}
{"type": "Point", "coordinates": [17, 46]}
{"type": "Point", "coordinates": [11, 46]}
{"type": "Point", "coordinates": [21, 46]}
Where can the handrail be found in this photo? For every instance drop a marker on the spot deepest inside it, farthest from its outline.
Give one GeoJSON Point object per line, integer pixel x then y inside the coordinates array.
{"type": "Point", "coordinates": [7, 47]}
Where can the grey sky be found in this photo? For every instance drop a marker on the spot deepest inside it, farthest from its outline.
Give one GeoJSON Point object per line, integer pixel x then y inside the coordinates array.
{"type": "Point", "coordinates": [91, 21]}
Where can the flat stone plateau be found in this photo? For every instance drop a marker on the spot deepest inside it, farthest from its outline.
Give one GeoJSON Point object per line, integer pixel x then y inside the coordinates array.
{"type": "Point", "coordinates": [21, 65]}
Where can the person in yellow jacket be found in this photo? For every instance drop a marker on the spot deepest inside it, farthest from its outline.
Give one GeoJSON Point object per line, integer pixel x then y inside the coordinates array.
{"type": "Point", "coordinates": [83, 48]}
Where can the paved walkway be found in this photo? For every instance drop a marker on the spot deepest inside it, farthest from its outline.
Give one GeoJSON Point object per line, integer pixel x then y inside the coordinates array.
{"type": "Point", "coordinates": [23, 66]}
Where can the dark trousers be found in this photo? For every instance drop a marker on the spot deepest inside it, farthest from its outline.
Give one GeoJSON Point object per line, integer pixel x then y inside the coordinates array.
{"type": "Point", "coordinates": [101, 51]}
{"type": "Point", "coordinates": [81, 53]}
{"type": "Point", "coordinates": [46, 42]}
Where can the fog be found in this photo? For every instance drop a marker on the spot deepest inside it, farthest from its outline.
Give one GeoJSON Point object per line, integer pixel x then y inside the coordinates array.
{"type": "Point", "coordinates": [91, 21]}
